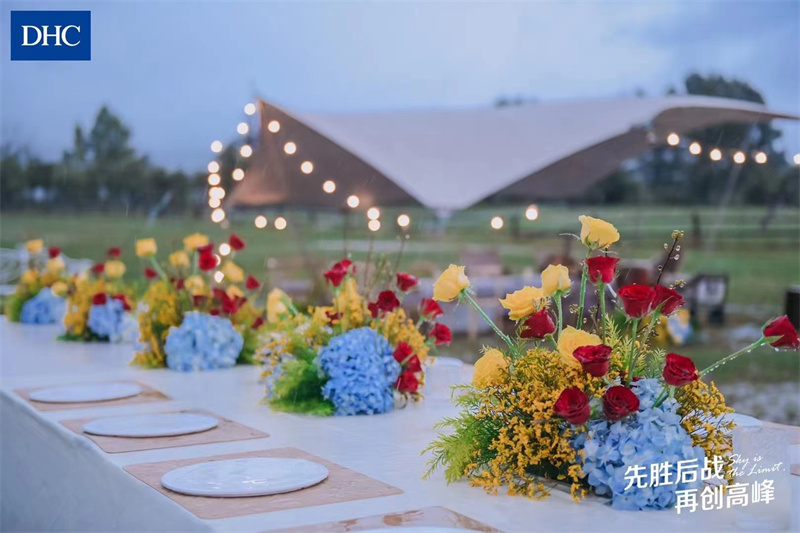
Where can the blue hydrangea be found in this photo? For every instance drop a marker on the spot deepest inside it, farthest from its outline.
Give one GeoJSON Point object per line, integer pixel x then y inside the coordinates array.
{"type": "Point", "coordinates": [203, 342]}
{"type": "Point", "coordinates": [44, 308]}
{"type": "Point", "coordinates": [653, 435]}
{"type": "Point", "coordinates": [111, 321]}
{"type": "Point", "coordinates": [361, 371]}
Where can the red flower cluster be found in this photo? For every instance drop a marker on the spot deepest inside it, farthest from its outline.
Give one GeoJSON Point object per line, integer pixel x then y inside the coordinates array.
{"type": "Point", "coordinates": [639, 300]}
{"type": "Point", "coordinates": [114, 252]}
{"type": "Point", "coordinates": [338, 272]}
{"type": "Point", "coordinates": [252, 283]}
{"type": "Point", "coordinates": [121, 297]}
{"type": "Point", "coordinates": [53, 252]}
{"type": "Point", "coordinates": [409, 362]}
{"type": "Point", "coordinates": [441, 334]}
{"type": "Point", "coordinates": [258, 322]}
{"type": "Point", "coordinates": [149, 273]}
{"type": "Point", "coordinates": [595, 360]}
{"type": "Point", "coordinates": [602, 269]}
{"type": "Point", "coordinates": [619, 402]}
{"type": "Point", "coordinates": [229, 306]}
{"type": "Point", "coordinates": [538, 325]}
{"type": "Point", "coordinates": [99, 268]}
{"type": "Point", "coordinates": [782, 327]}
{"type": "Point", "coordinates": [573, 405]}
{"type": "Point", "coordinates": [679, 370]}
{"type": "Point", "coordinates": [207, 260]}
{"type": "Point", "coordinates": [99, 298]}
{"type": "Point", "coordinates": [236, 243]}
{"type": "Point", "coordinates": [405, 282]}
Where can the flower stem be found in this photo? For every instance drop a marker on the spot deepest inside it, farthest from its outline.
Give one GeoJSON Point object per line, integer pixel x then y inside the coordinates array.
{"type": "Point", "coordinates": [473, 303]}
{"type": "Point", "coordinates": [158, 268]}
{"type": "Point", "coordinates": [663, 395]}
{"type": "Point", "coordinates": [560, 314]}
{"type": "Point", "coordinates": [602, 311]}
{"type": "Point", "coordinates": [653, 320]}
{"type": "Point", "coordinates": [584, 275]}
{"type": "Point", "coordinates": [632, 355]}
{"type": "Point", "coordinates": [550, 337]}
{"type": "Point", "coordinates": [761, 342]}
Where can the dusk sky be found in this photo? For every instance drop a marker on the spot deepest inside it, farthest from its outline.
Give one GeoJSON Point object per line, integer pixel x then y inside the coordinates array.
{"type": "Point", "coordinates": [179, 73]}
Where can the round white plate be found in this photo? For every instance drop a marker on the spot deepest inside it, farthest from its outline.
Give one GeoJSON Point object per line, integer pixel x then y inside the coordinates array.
{"type": "Point", "coordinates": [418, 529]}
{"type": "Point", "coordinates": [86, 393]}
{"type": "Point", "coordinates": [155, 425]}
{"type": "Point", "coordinates": [254, 476]}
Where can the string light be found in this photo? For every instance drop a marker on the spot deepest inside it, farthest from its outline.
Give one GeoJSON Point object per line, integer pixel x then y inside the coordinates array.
{"type": "Point", "coordinates": [214, 179]}
{"type": "Point", "coordinates": [403, 220]}
{"type": "Point", "coordinates": [280, 223]}
{"type": "Point", "coordinates": [497, 223]}
{"type": "Point", "coordinates": [673, 139]}
{"type": "Point", "coordinates": [274, 126]}
{"type": "Point", "coordinates": [329, 186]}
{"type": "Point", "coordinates": [218, 276]}
{"type": "Point", "coordinates": [695, 148]}
{"type": "Point", "coordinates": [217, 215]}
{"type": "Point", "coordinates": [760, 158]}
{"type": "Point", "coordinates": [242, 128]}
{"type": "Point", "coordinates": [216, 192]}
{"type": "Point", "coordinates": [373, 213]}
{"type": "Point", "coordinates": [213, 167]}
{"type": "Point", "coordinates": [213, 203]}
{"type": "Point", "coordinates": [216, 147]}
{"type": "Point", "coordinates": [246, 150]}
{"type": "Point", "coordinates": [238, 174]}
{"type": "Point", "coordinates": [260, 222]}
{"type": "Point", "coordinates": [532, 213]}
{"type": "Point", "coordinates": [306, 167]}
{"type": "Point", "coordinates": [374, 225]}
{"type": "Point", "coordinates": [739, 158]}
{"type": "Point", "coordinates": [290, 148]}
{"type": "Point", "coordinates": [224, 249]}
{"type": "Point", "coordinates": [353, 201]}
{"type": "Point", "coordinates": [715, 154]}
{"type": "Point", "coordinates": [250, 109]}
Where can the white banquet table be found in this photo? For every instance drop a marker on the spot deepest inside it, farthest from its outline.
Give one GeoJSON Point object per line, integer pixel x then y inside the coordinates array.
{"type": "Point", "coordinates": [56, 480]}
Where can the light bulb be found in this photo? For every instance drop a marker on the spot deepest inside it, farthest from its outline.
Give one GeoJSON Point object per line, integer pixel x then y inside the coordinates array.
{"type": "Point", "coordinates": [403, 221]}
{"type": "Point", "coordinates": [374, 225]}
{"type": "Point", "coordinates": [217, 215]}
{"type": "Point", "coordinates": [373, 213]}
{"type": "Point", "coordinates": [274, 126]}
{"type": "Point", "coordinates": [213, 167]}
{"type": "Point", "coordinates": [280, 223]}
{"type": "Point", "coordinates": [532, 213]}
{"type": "Point", "coordinates": [329, 186]}
{"type": "Point", "coordinates": [353, 201]}
{"type": "Point", "coordinates": [497, 222]}
{"type": "Point", "coordinates": [673, 139]}
{"type": "Point", "coordinates": [260, 222]}
{"type": "Point", "coordinates": [246, 151]}
{"type": "Point", "coordinates": [250, 109]}
{"type": "Point", "coordinates": [290, 148]}
{"type": "Point", "coordinates": [216, 147]}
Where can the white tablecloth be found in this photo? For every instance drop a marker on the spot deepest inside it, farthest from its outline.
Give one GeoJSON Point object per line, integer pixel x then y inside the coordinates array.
{"type": "Point", "coordinates": [56, 480]}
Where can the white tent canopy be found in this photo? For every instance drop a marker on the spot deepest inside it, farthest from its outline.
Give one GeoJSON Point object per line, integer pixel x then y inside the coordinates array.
{"type": "Point", "coordinates": [452, 159]}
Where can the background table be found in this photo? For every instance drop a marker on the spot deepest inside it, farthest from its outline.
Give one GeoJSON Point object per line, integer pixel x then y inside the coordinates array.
{"type": "Point", "coordinates": [56, 480]}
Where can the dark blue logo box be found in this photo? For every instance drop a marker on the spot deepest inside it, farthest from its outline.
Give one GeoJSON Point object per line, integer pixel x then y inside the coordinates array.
{"type": "Point", "coordinates": [51, 35]}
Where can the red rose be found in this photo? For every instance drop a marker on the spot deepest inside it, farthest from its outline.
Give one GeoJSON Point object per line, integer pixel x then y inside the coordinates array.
{"type": "Point", "coordinates": [149, 273]}
{"type": "Point", "coordinates": [602, 269]}
{"type": "Point", "coordinates": [538, 325]}
{"type": "Point", "coordinates": [413, 364]}
{"type": "Point", "coordinates": [258, 322]}
{"type": "Point", "coordinates": [619, 402]}
{"type": "Point", "coordinates": [783, 327]}
{"type": "Point", "coordinates": [406, 281]}
{"type": "Point", "coordinates": [121, 297]}
{"type": "Point", "coordinates": [53, 252]}
{"type": "Point", "coordinates": [198, 300]}
{"type": "Point", "coordinates": [430, 308]}
{"type": "Point", "coordinates": [236, 242]}
{"type": "Point", "coordinates": [679, 370]}
{"type": "Point", "coordinates": [441, 334]}
{"type": "Point", "coordinates": [114, 253]}
{"type": "Point", "coordinates": [99, 298]}
{"type": "Point", "coordinates": [668, 299]}
{"type": "Point", "coordinates": [214, 312]}
{"type": "Point", "coordinates": [402, 352]}
{"type": "Point", "coordinates": [407, 382]}
{"type": "Point", "coordinates": [205, 249]}
{"type": "Point", "coordinates": [207, 261]}
{"type": "Point", "coordinates": [252, 283]}
{"type": "Point", "coordinates": [637, 299]}
{"type": "Point", "coordinates": [179, 284]}
{"type": "Point", "coordinates": [573, 405]}
{"type": "Point", "coordinates": [99, 268]}
{"type": "Point", "coordinates": [344, 264]}
{"type": "Point", "coordinates": [593, 359]}
{"type": "Point", "coordinates": [372, 307]}
{"type": "Point", "coordinates": [332, 316]}
{"type": "Point", "coordinates": [387, 301]}
{"type": "Point", "coordinates": [335, 275]}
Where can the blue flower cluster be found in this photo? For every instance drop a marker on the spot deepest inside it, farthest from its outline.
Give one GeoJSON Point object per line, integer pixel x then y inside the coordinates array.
{"type": "Point", "coordinates": [203, 342]}
{"type": "Point", "coordinates": [44, 308]}
{"type": "Point", "coordinates": [361, 371]}
{"type": "Point", "coordinates": [111, 321]}
{"type": "Point", "coordinates": [653, 435]}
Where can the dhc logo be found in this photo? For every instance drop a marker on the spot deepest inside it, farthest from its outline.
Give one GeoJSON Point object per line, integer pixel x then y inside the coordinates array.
{"type": "Point", "coordinates": [51, 35]}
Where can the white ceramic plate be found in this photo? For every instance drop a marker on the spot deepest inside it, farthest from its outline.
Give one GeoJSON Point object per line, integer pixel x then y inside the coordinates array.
{"type": "Point", "coordinates": [99, 392]}
{"type": "Point", "coordinates": [253, 476]}
{"type": "Point", "coordinates": [155, 425]}
{"type": "Point", "coordinates": [418, 529]}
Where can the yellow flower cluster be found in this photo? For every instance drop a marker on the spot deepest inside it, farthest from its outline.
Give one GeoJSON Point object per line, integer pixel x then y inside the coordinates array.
{"type": "Point", "coordinates": [79, 302]}
{"type": "Point", "coordinates": [350, 305]}
{"type": "Point", "coordinates": [397, 327]}
{"type": "Point", "coordinates": [161, 311]}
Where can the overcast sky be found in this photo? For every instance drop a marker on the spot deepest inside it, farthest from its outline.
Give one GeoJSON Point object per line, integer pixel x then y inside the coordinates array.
{"type": "Point", "coordinates": [179, 72]}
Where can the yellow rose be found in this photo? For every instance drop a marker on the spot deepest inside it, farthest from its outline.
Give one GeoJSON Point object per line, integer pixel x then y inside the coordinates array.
{"type": "Point", "coordinates": [555, 278]}
{"type": "Point", "coordinates": [29, 277]}
{"type": "Point", "coordinates": [195, 241]}
{"type": "Point", "coordinates": [115, 269]}
{"type": "Point", "coordinates": [450, 284]}
{"type": "Point", "coordinates": [276, 306]}
{"type": "Point", "coordinates": [146, 247]}
{"type": "Point", "coordinates": [523, 302]}
{"type": "Point", "coordinates": [179, 259]}
{"type": "Point", "coordinates": [232, 272]}
{"type": "Point", "coordinates": [56, 264]}
{"type": "Point", "coordinates": [195, 285]}
{"type": "Point", "coordinates": [35, 246]}
{"type": "Point", "coordinates": [596, 232]}
{"type": "Point", "coordinates": [59, 288]}
{"type": "Point", "coordinates": [489, 369]}
{"type": "Point", "coordinates": [234, 292]}
{"type": "Point", "coordinates": [572, 338]}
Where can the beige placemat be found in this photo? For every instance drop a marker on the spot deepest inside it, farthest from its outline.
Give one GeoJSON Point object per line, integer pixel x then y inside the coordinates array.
{"type": "Point", "coordinates": [427, 517]}
{"type": "Point", "coordinates": [226, 431]}
{"type": "Point", "coordinates": [342, 485]}
{"type": "Point", "coordinates": [148, 395]}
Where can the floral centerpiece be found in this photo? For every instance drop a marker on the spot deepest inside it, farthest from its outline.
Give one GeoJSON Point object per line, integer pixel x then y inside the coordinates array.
{"type": "Point", "coordinates": [100, 304]}
{"type": "Point", "coordinates": [197, 314]}
{"type": "Point", "coordinates": [593, 406]}
{"type": "Point", "coordinates": [37, 298]}
{"type": "Point", "coordinates": [357, 356]}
